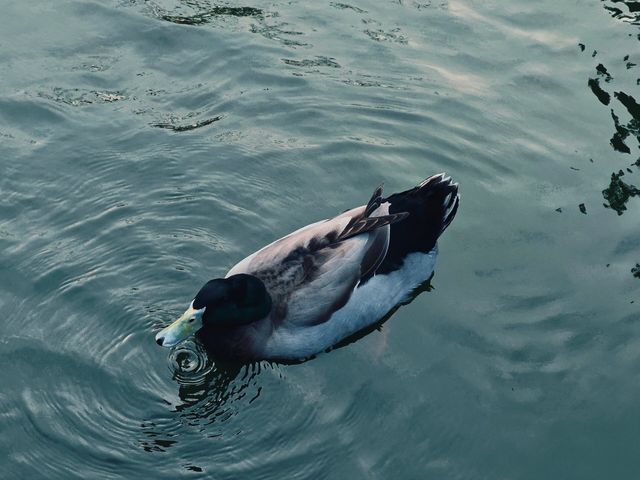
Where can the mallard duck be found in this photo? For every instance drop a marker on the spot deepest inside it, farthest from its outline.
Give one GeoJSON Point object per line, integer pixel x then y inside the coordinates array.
{"type": "Point", "coordinates": [311, 289]}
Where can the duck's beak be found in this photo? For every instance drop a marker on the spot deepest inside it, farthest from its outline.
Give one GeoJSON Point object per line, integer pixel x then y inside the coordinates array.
{"type": "Point", "coordinates": [189, 323]}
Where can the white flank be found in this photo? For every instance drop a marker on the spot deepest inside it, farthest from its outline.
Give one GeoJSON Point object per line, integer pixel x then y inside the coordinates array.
{"type": "Point", "coordinates": [368, 304]}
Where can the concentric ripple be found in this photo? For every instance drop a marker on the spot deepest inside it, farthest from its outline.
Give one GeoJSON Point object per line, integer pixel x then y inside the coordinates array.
{"type": "Point", "coordinates": [189, 363]}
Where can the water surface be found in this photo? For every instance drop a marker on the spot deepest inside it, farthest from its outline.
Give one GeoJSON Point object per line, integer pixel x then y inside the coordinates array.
{"type": "Point", "coordinates": [147, 146]}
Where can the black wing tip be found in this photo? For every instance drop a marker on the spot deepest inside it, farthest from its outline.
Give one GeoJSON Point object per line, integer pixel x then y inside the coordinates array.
{"type": "Point", "coordinates": [377, 193]}
{"type": "Point", "coordinates": [375, 201]}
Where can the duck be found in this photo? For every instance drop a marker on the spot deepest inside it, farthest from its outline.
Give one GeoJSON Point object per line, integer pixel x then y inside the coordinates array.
{"type": "Point", "coordinates": [321, 284]}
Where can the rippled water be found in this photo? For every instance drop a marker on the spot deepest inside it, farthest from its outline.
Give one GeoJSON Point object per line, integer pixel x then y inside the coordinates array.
{"type": "Point", "coordinates": [147, 146]}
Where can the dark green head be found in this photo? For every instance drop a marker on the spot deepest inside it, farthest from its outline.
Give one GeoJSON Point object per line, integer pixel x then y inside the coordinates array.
{"type": "Point", "coordinates": [221, 302]}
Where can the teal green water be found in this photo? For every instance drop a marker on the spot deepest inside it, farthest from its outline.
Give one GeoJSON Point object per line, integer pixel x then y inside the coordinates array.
{"type": "Point", "coordinates": [147, 146]}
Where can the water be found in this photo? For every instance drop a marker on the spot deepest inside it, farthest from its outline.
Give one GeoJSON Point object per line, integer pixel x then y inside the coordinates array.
{"type": "Point", "coordinates": [148, 146]}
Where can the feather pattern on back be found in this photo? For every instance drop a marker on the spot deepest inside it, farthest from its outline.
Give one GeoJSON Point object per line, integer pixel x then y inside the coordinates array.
{"type": "Point", "coordinates": [312, 272]}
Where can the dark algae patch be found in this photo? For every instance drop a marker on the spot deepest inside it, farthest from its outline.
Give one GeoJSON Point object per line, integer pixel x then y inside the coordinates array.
{"type": "Point", "coordinates": [618, 193]}
{"type": "Point", "coordinates": [631, 128]}
{"type": "Point", "coordinates": [625, 10]}
{"type": "Point", "coordinates": [623, 109]}
{"type": "Point", "coordinates": [603, 96]}
{"type": "Point", "coordinates": [186, 127]}
{"type": "Point", "coordinates": [205, 17]}
{"type": "Point", "coordinates": [316, 62]}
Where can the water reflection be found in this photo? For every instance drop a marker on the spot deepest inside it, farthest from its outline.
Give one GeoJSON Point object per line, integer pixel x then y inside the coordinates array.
{"type": "Point", "coordinates": [603, 96]}
{"type": "Point", "coordinates": [203, 12]}
{"type": "Point", "coordinates": [319, 61]}
{"type": "Point", "coordinates": [77, 97]}
{"type": "Point", "coordinates": [79, 401]}
{"type": "Point", "coordinates": [618, 193]}
{"type": "Point", "coordinates": [632, 127]}
{"type": "Point", "coordinates": [209, 13]}
{"type": "Point", "coordinates": [345, 6]}
{"type": "Point", "coordinates": [625, 10]}
{"type": "Point", "coordinates": [210, 392]}
{"type": "Point", "coordinates": [172, 123]}
{"type": "Point", "coordinates": [624, 111]}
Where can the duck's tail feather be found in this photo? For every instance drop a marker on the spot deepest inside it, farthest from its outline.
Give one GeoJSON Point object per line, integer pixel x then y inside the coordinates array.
{"type": "Point", "coordinates": [431, 205]}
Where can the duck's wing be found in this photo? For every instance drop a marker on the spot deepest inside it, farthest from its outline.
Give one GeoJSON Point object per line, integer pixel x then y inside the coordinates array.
{"type": "Point", "coordinates": [313, 271]}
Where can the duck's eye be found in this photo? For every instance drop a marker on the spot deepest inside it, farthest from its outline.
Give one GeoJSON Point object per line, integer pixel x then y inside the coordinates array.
{"type": "Point", "coordinates": [192, 319]}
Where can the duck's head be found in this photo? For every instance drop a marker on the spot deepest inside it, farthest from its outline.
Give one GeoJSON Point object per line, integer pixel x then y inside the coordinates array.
{"type": "Point", "coordinates": [221, 302]}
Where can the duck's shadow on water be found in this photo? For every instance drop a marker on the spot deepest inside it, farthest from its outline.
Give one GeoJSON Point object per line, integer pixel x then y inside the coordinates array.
{"type": "Point", "coordinates": [210, 392]}
{"type": "Point", "coordinates": [213, 391]}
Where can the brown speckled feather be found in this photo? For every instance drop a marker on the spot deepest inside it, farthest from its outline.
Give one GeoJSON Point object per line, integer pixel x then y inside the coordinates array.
{"type": "Point", "coordinates": [312, 272]}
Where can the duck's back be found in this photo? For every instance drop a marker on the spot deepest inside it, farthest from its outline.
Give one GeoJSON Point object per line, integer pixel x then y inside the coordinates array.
{"type": "Point", "coordinates": [409, 261]}
{"type": "Point", "coordinates": [336, 277]}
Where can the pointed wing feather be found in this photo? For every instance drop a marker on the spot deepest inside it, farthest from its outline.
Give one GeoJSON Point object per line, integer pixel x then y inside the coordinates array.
{"type": "Point", "coordinates": [363, 225]}
{"type": "Point", "coordinates": [365, 222]}
{"type": "Point", "coordinates": [375, 201]}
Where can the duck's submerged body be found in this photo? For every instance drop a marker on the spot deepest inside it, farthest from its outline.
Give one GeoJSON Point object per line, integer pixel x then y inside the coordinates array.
{"type": "Point", "coordinates": [334, 278]}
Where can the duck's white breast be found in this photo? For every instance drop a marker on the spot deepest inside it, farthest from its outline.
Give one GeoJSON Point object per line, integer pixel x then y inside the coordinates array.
{"type": "Point", "coordinates": [369, 303]}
